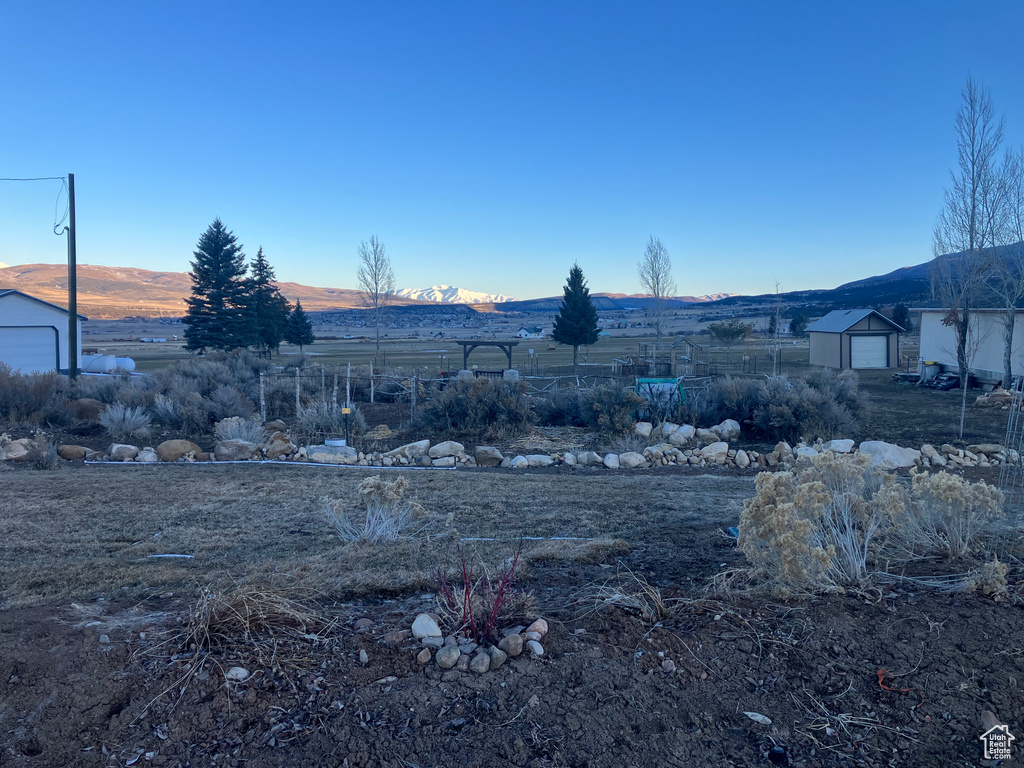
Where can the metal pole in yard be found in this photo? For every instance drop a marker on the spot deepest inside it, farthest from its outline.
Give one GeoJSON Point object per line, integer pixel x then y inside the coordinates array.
{"type": "Point", "coordinates": [371, 384]}
{"type": "Point", "coordinates": [298, 406]}
{"type": "Point", "coordinates": [414, 388]}
{"type": "Point", "coordinates": [334, 396]}
{"type": "Point", "coordinates": [348, 387]}
{"type": "Point", "coordinates": [263, 399]}
{"type": "Point", "coordinates": [72, 284]}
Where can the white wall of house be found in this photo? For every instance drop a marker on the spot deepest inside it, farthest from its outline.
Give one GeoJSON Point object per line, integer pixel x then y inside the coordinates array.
{"type": "Point", "coordinates": [938, 342]}
{"type": "Point", "coordinates": [31, 334]}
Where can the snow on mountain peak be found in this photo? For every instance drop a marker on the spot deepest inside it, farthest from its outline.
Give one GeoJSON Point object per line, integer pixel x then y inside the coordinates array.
{"type": "Point", "coordinates": [449, 294]}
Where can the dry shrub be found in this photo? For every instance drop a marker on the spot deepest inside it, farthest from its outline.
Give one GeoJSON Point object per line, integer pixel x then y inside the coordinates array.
{"type": "Point", "coordinates": [42, 454]}
{"type": "Point", "coordinates": [25, 398]}
{"type": "Point", "coordinates": [321, 419]}
{"type": "Point", "coordinates": [479, 605]}
{"type": "Point", "coordinates": [245, 614]}
{"type": "Point", "coordinates": [124, 423]}
{"type": "Point", "coordinates": [385, 514]}
{"type": "Point", "coordinates": [611, 409]}
{"type": "Point", "coordinates": [237, 428]}
{"type": "Point", "coordinates": [561, 408]}
{"type": "Point", "coordinates": [943, 515]}
{"type": "Point", "coordinates": [815, 530]}
{"type": "Point", "coordinates": [489, 407]}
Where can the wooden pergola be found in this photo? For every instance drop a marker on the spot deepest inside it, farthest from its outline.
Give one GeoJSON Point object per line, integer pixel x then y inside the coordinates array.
{"type": "Point", "coordinates": [469, 345]}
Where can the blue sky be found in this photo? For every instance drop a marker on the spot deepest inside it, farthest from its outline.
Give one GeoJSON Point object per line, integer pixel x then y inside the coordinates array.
{"type": "Point", "coordinates": [490, 145]}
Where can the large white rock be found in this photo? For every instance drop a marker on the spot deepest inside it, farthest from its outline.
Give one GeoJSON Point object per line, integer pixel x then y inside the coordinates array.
{"type": "Point", "coordinates": [643, 428]}
{"type": "Point", "coordinates": [332, 454]}
{"type": "Point", "coordinates": [569, 459]}
{"type": "Point", "coordinates": [805, 452]}
{"type": "Point", "coordinates": [446, 449]}
{"type": "Point", "coordinates": [715, 451]}
{"type": "Point", "coordinates": [683, 435]}
{"type": "Point", "coordinates": [727, 430]}
{"type": "Point", "coordinates": [742, 459]}
{"type": "Point", "coordinates": [410, 450]}
{"type": "Point", "coordinates": [668, 428]}
{"type": "Point", "coordinates": [122, 452]}
{"type": "Point", "coordinates": [519, 462]}
{"type": "Point", "coordinates": [18, 450]}
{"type": "Point", "coordinates": [539, 460]}
{"type": "Point", "coordinates": [235, 450]}
{"type": "Point", "coordinates": [707, 436]}
{"type": "Point", "coordinates": [630, 460]}
{"type": "Point", "coordinates": [425, 626]}
{"type": "Point", "coordinates": [838, 446]}
{"type": "Point", "coordinates": [444, 462]}
{"type": "Point", "coordinates": [487, 456]}
{"type": "Point", "coordinates": [147, 456]}
{"type": "Point", "coordinates": [589, 458]}
{"type": "Point", "coordinates": [611, 461]}
{"type": "Point", "coordinates": [888, 456]}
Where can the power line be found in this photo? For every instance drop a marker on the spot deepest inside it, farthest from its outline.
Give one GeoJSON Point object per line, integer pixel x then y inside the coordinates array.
{"type": "Point", "coordinates": [39, 178]}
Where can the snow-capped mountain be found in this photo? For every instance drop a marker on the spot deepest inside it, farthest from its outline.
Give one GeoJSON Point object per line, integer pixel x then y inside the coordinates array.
{"type": "Point", "coordinates": [449, 294]}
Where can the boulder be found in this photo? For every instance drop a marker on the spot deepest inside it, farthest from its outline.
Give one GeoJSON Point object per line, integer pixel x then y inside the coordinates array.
{"type": "Point", "coordinates": [631, 460]}
{"type": "Point", "coordinates": [333, 454]}
{"type": "Point", "coordinates": [539, 460]}
{"type": "Point", "coordinates": [569, 459]}
{"type": "Point", "coordinates": [275, 425]}
{"type": "Point", "coordinates": [278, 446]}
{"type": "Point", "coordinates": [727, 430]}
{"type": "Point", "coordinates": [928, 451]}
{"type": "Point", "coordinates": [235, 450]}
{"type": "Point", "coordinates": [17, 450]}
{"type": "Point", "coordinates": [409, 450]}
{"type": "Point", "coordinates": [838, 446]}
{"type": "Point", "coordinates": [986, 448]}
{"type": "Point", "coordinates": [122, 452]}
{"type": "Point", "coordinates": [888, 456]}
{"type": "Point", "coordinates": [683, 435]}
{"type": "Point", "coordinates": [742, 459]}
{"type": "Point", "coordinates": [73, 452]}
{"type": "Point", "coordinates": [87, 409]}
{"type": "Point", "coordinates": [425, 626]}
{"type": "Point", "coordinates": [588, 459]}
{"type": "Point", "coordinates": [444, 462]}
{"type": "Point", "coordinates": [512, 644]}
{"type": "Point", "coordinates": [611, 461]}
{"type": "Point", "coordinates": [668, 428]}
{"type": "Point", "coordinates": [706, 436]}
{"type": "Point", "coordinates": [715, 452]}
{"type": "Point", "coordinates": [519, 462]}
{"type": "Point", "coordinates": [643, 428]}
{"type": "Point", "coordinates": [487, 456]}
{"type": "Point", "coordinates": [805, 452]}
{"type": "Point", "coordinates": [938, 460]}
{"type": "Point", "coordinates": [148, 456]}
{"type": "Point", "coordinates": [172, 450]}
{"type": "Point", "coordinates": [446, 449]}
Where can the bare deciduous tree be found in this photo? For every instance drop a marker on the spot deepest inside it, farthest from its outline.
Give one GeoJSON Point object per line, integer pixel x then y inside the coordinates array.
{"type": "Point", "coordinates": [966, 221]}
{"type": "Point", "coordinates": [376, 282]}
{"type": "Point", "coordinates": [655, 271]}
{"type": "Point", "coordinates": [1008, 274]}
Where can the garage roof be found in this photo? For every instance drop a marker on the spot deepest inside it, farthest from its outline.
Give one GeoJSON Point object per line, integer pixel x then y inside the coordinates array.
{"type": "Point", "coordinates": [9, 291]}
{"type": "Point", "coordinates": [839, 320]}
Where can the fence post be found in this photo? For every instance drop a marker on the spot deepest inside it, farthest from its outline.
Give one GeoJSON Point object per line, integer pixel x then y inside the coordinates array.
{"type": "Point", "coordinates": [414, 388]}
{"type": "Point", "coordinates": [334, 397]}
{"type": "Point", "coordinates": [371, 384]}
{"type": "Point", "coordinates": [323, 384]}
{"type": "Point", "coordinates": [298, 405]}
{"type": "Point", "coordinates": [263, 400]}
{"type": "Point", "coordinates": [348, 387]}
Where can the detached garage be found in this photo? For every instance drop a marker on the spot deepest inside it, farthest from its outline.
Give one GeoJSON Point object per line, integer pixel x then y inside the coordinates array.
{"type": "Point", "coordinates": [34, 333]}
{"type": "Point", "coordinates": [855, 338]}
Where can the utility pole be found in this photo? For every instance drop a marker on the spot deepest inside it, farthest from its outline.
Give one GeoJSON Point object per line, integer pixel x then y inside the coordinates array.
{"type": "Point", "coordinates": [72, 283]}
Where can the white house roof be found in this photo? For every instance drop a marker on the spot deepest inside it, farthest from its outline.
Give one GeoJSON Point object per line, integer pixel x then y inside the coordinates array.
{"type": "Point", "coordinates": [10, 291]}
{"type": "Point", "coordinates": [839, 320]}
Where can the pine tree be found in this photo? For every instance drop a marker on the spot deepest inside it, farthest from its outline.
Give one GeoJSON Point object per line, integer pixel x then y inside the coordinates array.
{"type": "Point", "coordinates": [576, 321]}
{"type": "Point", "coordinates": [218, 314]}
{"type": "Point", "coordinates": [299, 330]}
{"type": "Point", "coordinates": [267, 307]}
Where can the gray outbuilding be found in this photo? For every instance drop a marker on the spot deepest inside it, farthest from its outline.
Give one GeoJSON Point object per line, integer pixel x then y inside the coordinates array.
{"type": "Point", "coordinates": [855, 338]}
{"type": "Point", "coordinates": [34, 333]}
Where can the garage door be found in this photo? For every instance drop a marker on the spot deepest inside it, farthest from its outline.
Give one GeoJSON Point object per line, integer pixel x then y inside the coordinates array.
{"type": "Point", "coordinates": [869, 352]}
{"type": "Point", "coordinates": [29, 349]}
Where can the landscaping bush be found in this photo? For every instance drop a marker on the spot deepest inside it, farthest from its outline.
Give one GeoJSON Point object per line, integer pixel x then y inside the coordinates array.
{"type": "Point", "coordinates": [124, 424]}
{"type": "Point", "coordinates": [102, 388]}
{"type": "Point", "coordinates": [384, 514]}
{"type": "Point", "coordinates": [26, 398]}
{"type": "Point", "coordinates": [611, 408]}
{"type": "Point", "coordinates": [42, 454]}
{"type": "Point", "coordinates": [561, 408]}
{"type": "Point", "coordinates": [228, 401]}
{"type": "Point", "coordinates": [237, 428]}
{"type": "Point", "coordinates": [488, 407]}
{"type": "Point", "coordinates": [319, 420]}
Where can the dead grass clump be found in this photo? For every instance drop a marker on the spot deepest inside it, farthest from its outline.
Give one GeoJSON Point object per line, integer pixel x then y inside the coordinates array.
{"type": "Point", "coordinates": [238, 428]}
{"type": "Point", "coordinates": [42, 454]}
{"type": "Point", "coordinates": [247, 615]}
{"type": "Point", "coordinates": [630, 591]}
{"type": "Point", "coordinates": [385, 514]}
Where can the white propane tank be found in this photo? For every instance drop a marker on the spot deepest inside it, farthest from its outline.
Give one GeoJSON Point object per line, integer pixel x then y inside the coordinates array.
{"type": "Point", "coordinates": [125, 364]}
{"type": "Point", "coordinates": [97, 363]}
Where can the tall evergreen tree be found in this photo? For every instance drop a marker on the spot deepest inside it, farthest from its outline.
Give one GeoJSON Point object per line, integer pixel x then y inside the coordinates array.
{"type": "Point", "coordinates": [267, 307]}
{"type": "Point", "coordinates": [218, 313]}
{"type": "Point", "coordinates": [299, 329]}
{"type": "Point", "coordinates": [576, 321]}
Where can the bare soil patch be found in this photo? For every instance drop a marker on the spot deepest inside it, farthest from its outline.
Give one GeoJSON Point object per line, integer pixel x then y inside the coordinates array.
{"type": "Point", "coordinates": [74, 565]}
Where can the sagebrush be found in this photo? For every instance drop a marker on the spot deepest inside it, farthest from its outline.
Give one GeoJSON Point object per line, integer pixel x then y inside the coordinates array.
{"type": "Point", "coordinates": [383, 513]}
{"type": "Point", "coordinates": [124, 423]}
{"type": "Point", "coordinates": [479, 406]}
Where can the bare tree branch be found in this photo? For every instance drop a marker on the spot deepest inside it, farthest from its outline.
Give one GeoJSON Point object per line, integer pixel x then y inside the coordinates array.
{"type": "Point", "coordinates": [376, 282]}
{"type": "Point", "coordinates": [655, 271]}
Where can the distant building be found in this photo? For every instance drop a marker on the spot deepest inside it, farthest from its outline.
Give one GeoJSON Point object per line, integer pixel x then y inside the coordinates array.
{"type": "Point", "coordinates": [985, 342]}
{"type": "Point", "coordinates": [855, 338]}
{"type": "Point", "coordinates": [34, 333]}
{"type": "Point", "coordinates": [531, 332]}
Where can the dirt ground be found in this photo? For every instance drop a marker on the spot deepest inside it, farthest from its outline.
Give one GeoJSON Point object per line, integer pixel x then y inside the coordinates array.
{"type": "Point", "coordinates": [74, 567]}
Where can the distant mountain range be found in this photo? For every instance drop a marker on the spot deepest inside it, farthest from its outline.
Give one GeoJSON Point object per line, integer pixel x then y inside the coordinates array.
{"type": "Point", "coordinates": [449, 294]}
